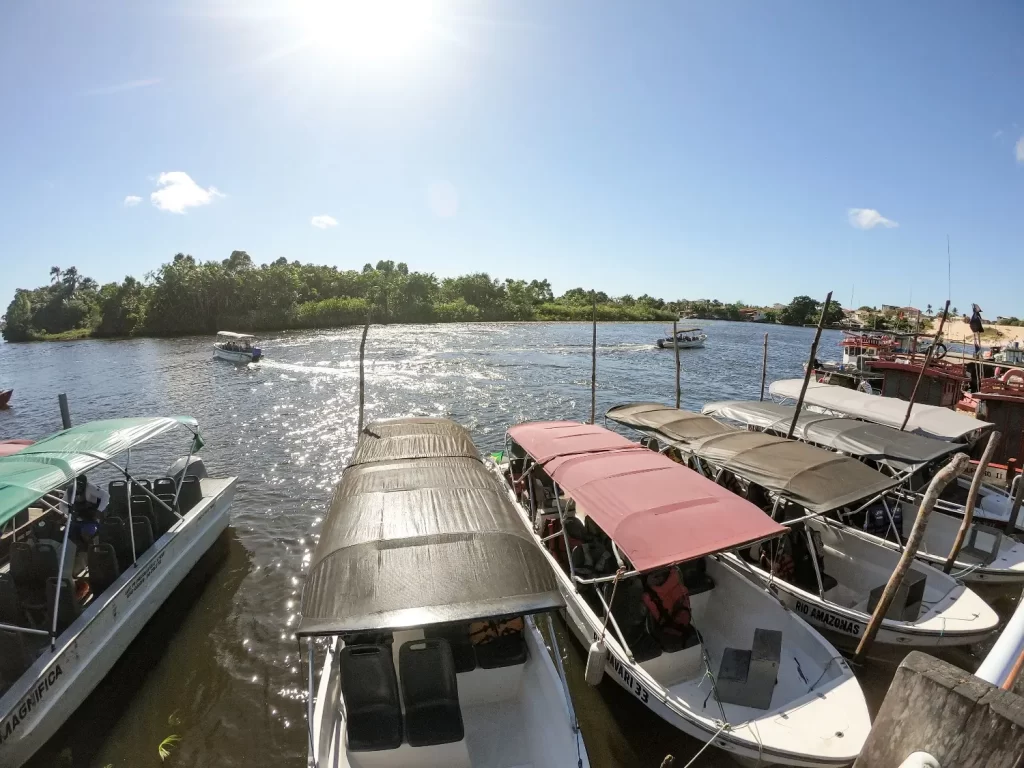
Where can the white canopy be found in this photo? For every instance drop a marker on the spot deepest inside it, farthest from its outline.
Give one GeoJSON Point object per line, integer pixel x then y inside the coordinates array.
{"type": "Point", "coordinates": [233, 335]}
{"type": "Point", "coordinates": [928, 420]}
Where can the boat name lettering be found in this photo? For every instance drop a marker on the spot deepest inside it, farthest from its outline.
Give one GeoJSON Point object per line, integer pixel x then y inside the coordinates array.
{"type": "Point", "coordinates": [139, 580]}
{"type": "Point", "coordinates": [10, 725]}
{"type": "Point", "coordinates": [631, 682]}
{"type": "Point", "coordinates": [840, 623]}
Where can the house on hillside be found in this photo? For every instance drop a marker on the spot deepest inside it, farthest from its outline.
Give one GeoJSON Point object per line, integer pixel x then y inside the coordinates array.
{"type": "Point", "coordinates": [752, 315]}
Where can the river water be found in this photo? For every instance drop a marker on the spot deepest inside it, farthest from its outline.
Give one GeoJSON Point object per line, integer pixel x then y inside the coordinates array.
{"type": "Point", "coordinates": [218, 666]}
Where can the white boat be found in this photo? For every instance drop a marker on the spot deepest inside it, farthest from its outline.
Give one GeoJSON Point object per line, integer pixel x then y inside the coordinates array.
{"type": "Point", "coordinates": [685, 338]}
{"type": "Point", "coordinates": [745, 673]}
{"type": "Point", "coordinates": [428, 591]}
{"type": "Point", "coordinates": [236, 347]}
{"type": "Point", "coordinates": [831, 573]}
{"type": "Point", "coordinates": [988, 555]}
{"type": "Point", "coordinates": [57, 641]}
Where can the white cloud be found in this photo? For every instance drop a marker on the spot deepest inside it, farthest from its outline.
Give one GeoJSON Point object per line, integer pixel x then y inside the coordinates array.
{"type": "Point", "coordinates": [131, 201]}
{"type": "Point", "coordinates": [178, 192]}
{"type": "Point", "coordinates": [131, 85]}
{"type": "Point", "coordinates": [324, 222]}
{"type": "Point", "coordinates": [1020, 150]}
{"type": "Point", "coordinates": [869, 218]}
{"type": "Point", "coordinates": [997, 134]}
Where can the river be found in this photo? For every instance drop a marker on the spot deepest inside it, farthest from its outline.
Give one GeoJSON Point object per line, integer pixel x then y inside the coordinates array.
{"type": "Point", "coordinates": [218, 666]}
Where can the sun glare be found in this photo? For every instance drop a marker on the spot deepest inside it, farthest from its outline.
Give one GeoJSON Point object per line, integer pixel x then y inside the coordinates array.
{"type": "Point", "coordinates": [369, 31]}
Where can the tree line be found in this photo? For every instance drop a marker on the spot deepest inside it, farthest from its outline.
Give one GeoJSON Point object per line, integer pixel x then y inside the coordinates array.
{"type": "Point", "coordinates": [188, 296]}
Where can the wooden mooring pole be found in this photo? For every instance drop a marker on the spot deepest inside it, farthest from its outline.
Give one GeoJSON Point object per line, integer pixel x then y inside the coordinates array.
{"type": "Point", "coordinates": [362, 379]}
{"type": "Point", "coordinates": [1011, 523]}
{"type": "Point", "coordinates": [972, 499]}
{"type": "Point", "coordinates": [675, 346]}
{"type": "Point", "coordinates": [810, 366]}
{"type": "Point", "coordinates": [764, 366]}
{"type": "Point", "coordinates": [65, 413]}
{"type": "Point", "coordinates": [924, 366]}
{"type": "Point", "coordinates": [942, 478]}
{"type": "Point", "coordinates": [593, 365]}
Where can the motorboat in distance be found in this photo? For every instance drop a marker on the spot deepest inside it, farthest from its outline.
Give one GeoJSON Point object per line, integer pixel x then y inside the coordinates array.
{"type": "Point", "coordinates": [685, 338]}
{"type": "Point", "coordinates": [236, 347]}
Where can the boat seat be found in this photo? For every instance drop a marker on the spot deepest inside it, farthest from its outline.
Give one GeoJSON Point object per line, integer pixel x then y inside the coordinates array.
{"type": "Point", "coordinates": [191, 493]}
{"type": "Point", "coordinates": [103, 567]}
{"type": "Point", "coordinates": [118, 492]}
{"type": "Point", "coordinates": [630, 614]}
{"type": "Point", "coordinates": [114, 531]}
{"type": "Point", "coordinates": [142, 530]}
{"type": "Point", "coordinates": [10, 607]}
{"type": "Point", "coordinates": [142, 506]}
{"type": "Point", "coordinates": [430, 692]}
{"type": "Point", "coordinates": [47, 527]}
{"type": "Point", "coordinates": [28, 581]}
{"type": "Point", "coordinates": [695, 576]}
{"type": "Point", "coordinates": [69, 607]}
{"type": "Point", "coordinates": [164, 485]}
{"type": "Point", "coordinates": [369, 688]}
{"type": "Point", "coordinates": [165, 519]}
{"type": "Point", "coordinates": [457, 636]}
{"type": "Point", "coordinates": [15, 655]}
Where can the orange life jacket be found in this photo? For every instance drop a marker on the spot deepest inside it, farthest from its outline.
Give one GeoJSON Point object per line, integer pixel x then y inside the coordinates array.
{"type": "Point", "coordinates": [483, 632]}
{"type": "Point", "coordinates": [669, 602]}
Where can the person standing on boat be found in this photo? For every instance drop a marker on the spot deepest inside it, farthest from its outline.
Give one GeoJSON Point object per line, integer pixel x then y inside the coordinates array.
{"type": "Point", "coordinates": [976, 328]}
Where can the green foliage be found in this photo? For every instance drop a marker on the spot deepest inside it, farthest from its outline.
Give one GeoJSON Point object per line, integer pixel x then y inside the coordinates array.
{"type": "Point", "coordinates": [803, 310]}
{"type": "Point", "coordinates": [164, 749]}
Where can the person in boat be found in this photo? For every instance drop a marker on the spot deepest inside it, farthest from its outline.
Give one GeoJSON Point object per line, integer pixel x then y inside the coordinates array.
{"type": "Point", "coordinates": [668, 607]}
{"type": "Point", "coordinates": [976, 328]}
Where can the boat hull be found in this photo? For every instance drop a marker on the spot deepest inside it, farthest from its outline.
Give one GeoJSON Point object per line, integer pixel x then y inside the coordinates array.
{"type": "Point", "coordinates": [5, 397]}
{"type": "Point", "coordinates": [236, 357]}
{"type": "Point", "coordinates": [668, 344]}
{"type": "Point", "coordinates": [58, 682]}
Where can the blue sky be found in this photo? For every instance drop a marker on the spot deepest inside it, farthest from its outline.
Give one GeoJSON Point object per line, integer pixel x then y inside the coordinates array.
{"type": "Point", "coordinates": [677, 149]}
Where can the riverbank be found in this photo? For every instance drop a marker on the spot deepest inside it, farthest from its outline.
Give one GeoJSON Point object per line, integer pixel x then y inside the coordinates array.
{"type": "Point", "coordinates": [957, 330]}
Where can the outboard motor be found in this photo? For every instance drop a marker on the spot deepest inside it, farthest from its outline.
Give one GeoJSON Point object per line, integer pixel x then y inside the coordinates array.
{"type": "Point", "coordinates": [193, 466]}
{"type": "Point", "coordinates": [257, 353]}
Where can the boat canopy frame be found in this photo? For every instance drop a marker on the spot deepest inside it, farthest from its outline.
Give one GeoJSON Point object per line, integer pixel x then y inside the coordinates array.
{"type": "Point", "coordinates": [235, 336]}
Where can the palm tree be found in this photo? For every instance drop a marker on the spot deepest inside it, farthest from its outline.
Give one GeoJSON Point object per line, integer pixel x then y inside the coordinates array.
{"type": "Point", "coordinates": [928, 309]}
{"type": "Point", "coordinates": [55, 274]}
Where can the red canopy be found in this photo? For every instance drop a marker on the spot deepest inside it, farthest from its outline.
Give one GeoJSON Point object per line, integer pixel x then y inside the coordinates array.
{"type": "Point", "coordinates": [656, 511]}
{"type": "Point", "coordinates": [10, 447]}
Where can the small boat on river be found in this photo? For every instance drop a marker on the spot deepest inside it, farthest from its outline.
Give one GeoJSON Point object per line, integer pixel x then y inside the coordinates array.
{"type": "Point", "coordinates": [83, 568]}
{"type": "Point", "coordinates": [988, 556]}
{"type": "Point", "coordinates": [236, 347]}
{"type": "Point", "coordinates": [826, 569]}
{"type": "Point", "coordinates": [685, 338]}
{"type": "Point", "coordinates": [429, 593]}
{"type": "Point", "coordinates": [640, 546]}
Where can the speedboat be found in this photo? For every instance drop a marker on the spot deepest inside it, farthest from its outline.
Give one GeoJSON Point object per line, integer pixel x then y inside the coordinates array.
{"type": "Point", "coordinates": [82, 568]}
{"type": "Point", "coordinates": [236, 347]}
{"type": "Point", "coordinates": [717, 656]}
{"type": "Point", "coordinates": [828, 571]}
{"type": "Point", "coordinates": [988, 556]}
{"type": "Point", "coordinates": [684, 338]}
{"type": "Point", "coordinates": [429, 594]}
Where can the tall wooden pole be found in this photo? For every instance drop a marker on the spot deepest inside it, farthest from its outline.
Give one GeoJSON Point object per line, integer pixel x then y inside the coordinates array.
{"type": "Point", "coordinates": [810, 365]}
{"type": "Point", "coordinates": [362, 381]}
{"type": "Point", "coordinates": [65, 413]}
{"type": "Point", "coordinates": [972, 499]}
{"type": "Point", "coordinates": [675, 346]}
{"type": "Point", "coordinates": [942, 478]}
{"type": "Point", "coordinates": [924, 366]}
{"type": "Point", "coordinates": [764, 366]}
{"type": "Point", "coordinates": [593, 365]}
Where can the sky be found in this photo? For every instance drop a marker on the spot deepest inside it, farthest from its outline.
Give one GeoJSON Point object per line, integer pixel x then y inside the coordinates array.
{"type": "Point", "coordinates": [735, 150]}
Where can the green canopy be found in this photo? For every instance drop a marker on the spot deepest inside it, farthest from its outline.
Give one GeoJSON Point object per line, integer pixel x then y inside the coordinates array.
{"type": "Point", "coordinates": [55, 461]}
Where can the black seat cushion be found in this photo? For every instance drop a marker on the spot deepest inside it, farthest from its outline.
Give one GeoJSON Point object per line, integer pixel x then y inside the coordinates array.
{"type": "Point", "coordinates": [118, 491]}
{"type": "Point", "coordinates": [143, 507]}
{"type": "Point", "coordinates": [164, 485]}
{"type": "Point", "coordinates": [103, 567]}
{"type": "Point", "coordinates": [114, 531]}
{"type": "Point", "coordinates": [15, 656]}
{"type": "Point", "coordinates": [142, 530]}
{"type": "Point", "coordinates": [369, 688]}
{"type": "Point", "coordinates": [165, 518]}
{"type": "Point", "coordinates": [430, 692]}
{"type": "Point", "coordinates": [191, 493]}
{"type": "Point", "coordinates": [10, 607]}
{"type": "Point", "coordinates": [695, 576]}
{"type": "Point", "coordinates": [457, 636]}
{"type": "Point", "coordinates": [68, 606]}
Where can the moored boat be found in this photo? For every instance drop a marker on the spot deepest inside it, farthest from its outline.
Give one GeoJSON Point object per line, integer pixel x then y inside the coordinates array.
{"type": "Point", "coordinates": [988, 555]}
{"type": "Point", "coordinates": [5, 397]}
{"type": "Point", "coordinates": [83, 568]}
{"type": "Point", "coordinates": [685, 338]}
{"type": "Point", "coordinates": [637, 544]}
{"type": "Point", "coordinates": [429, 592]}
{"type": "Point", "coordinates": [825, 568]}
{"type": "Point", "coordinates": [236, 347]}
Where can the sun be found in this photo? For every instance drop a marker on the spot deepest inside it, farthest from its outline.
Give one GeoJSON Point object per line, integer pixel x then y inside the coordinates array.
{"type": "Point", "coordinates": [369, 31]}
